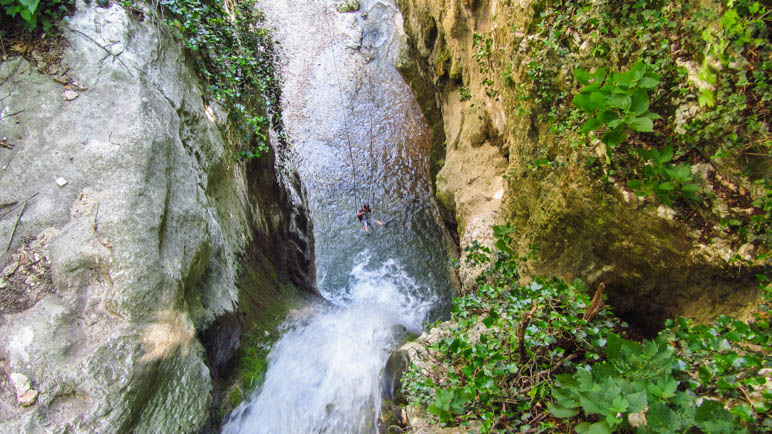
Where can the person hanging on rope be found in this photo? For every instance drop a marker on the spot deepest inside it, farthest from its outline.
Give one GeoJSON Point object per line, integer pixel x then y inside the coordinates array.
{"type": "Point", "coordinates": [364, 216]}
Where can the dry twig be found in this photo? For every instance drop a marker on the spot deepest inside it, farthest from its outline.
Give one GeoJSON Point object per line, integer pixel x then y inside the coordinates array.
{"type": "Point", "coordinates": [13, 231]}
{"type": "Point", "coordinates": [596, 304]}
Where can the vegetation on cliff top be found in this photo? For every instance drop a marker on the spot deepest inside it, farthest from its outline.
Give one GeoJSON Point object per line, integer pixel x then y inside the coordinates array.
{"type": "Point", "coordinates": [670, 87]}
{"type": "Point", "coordinates": [543, 357]}
{"type": "Point", "coordinates": [234, 53]}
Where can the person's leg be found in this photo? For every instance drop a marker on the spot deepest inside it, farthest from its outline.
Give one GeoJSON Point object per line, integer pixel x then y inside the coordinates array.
{"type": "Point", "coordinates": [379, 222]}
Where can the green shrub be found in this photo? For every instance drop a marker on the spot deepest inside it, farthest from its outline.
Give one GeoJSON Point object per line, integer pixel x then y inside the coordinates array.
{"type": "Point", "coordinates": [635, 388]}
{"type": "Point", "coordinates": [663, 179]}
{"type": "Point", "coordinates": [619, 101]}
{"type": "Point", "coordinates": [36, 14]}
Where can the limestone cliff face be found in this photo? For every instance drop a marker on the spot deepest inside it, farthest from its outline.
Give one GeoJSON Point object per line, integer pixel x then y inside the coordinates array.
{"type": "Point", "coordinates": [654, 264]}
{"type": "Point", "coordinates": [117, 269]}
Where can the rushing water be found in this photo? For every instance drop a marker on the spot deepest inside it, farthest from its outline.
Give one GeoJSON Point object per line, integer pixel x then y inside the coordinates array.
{"type": "Point", "coordinates": [358, 136]}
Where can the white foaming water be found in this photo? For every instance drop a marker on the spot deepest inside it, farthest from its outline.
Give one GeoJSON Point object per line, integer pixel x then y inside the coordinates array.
{"type": "Point", "coordinates": [323, 374]}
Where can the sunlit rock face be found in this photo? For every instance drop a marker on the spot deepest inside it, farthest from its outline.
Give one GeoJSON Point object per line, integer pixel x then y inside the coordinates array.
{"type": "Point", "coordinates": [132, 244]}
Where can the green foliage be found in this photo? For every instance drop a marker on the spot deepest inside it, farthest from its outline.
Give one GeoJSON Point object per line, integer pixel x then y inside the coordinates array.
{"type": "Point", "coordinates": [237, 58]}
{"type": "Point", "coordinates": [691, 377]}
{"type": "Point", "coordinates": [464, 93]}
{"type": "Point", "coordinates": [478, 374]}
{"type": "Point", "coordinates": [634, 387]}
{"type": "Point", "coordinates": [348, 6]}
{"type": "Point", "coordinates": [619, 101]}
{"type": "Point", "coordinates": [36, 14]}
{"type": "Point", "coordinates": [663, 179]}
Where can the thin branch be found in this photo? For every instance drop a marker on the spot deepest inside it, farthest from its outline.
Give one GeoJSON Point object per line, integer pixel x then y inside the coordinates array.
{"type": "Point", "coordinates": [18, 205]}
{"type": "Point", "coordinates": [12, 114]}
{"type": "Point", "coordinates": [115, 57]}
{"type": "Point", "coordinates": [13, 231]}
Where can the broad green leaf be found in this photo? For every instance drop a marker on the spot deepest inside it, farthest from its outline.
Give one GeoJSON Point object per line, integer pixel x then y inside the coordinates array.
{"type": "Point", "coordinates": [582, 428]}
{"type": "Point", "coordinates": [683, 172]}
{"type": "Point", "coordinates": [666, 154]}
{"type": "Point", "coordinates": [582, 101]}
{"type": "Point", "coordinates": [652, 116]}
{"type": "Point", "coordinates": [562, 412]}
{"type": "Point", "coordinates": [599, 75]}
{"type": "Point", "coordinates": [666, 186]}
{"type": "Point", "coordinates": [619, 404]}
{"type": "Point", "coordinates": [620, 101]}
{"type": "Point", "coordinates": [648, 83]}
{"type": "Point", "coordinates": [592, 124]}
{"type": "Point", "coordinates": [637, 402]}
{"type": "Point", "coordinates": [642, 125]}
{"type": "Point", "coordinates": [31, 6]}
{"type": "Point", "coordinates": [582, 76]}
{"type": "Point", "coordinates": [613, 137]}
{"type": "Point", "coordinates": [639, 69]}
{"type": "Point", "coordinates": [712, 417]}
{"type": "Point", "coordinates": [623, 79]}
{"type": "Point", "coordinates": [607, 116]}
{"type": "Point", "coordinates": [598, 101]}
{"type": "Point", "coordinates": [640, 102]}
{"type": "Point", "coordinates": [634, 184]}
{"type": "Point", "coordinates": [441, 413]}
{"type": "Point", "coordinates": [599, 428]}
{"type": "Point", "coordinates": [615, 123]}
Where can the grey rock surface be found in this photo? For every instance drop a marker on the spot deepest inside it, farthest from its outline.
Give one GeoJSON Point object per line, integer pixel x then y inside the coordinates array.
{"type": "Point", "coordinates": [144, 238]}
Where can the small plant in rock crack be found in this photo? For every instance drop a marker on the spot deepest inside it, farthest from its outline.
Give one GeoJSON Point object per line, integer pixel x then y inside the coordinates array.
{"type": "Point", "coordinates": [663, 179]}
{"type": "Point", "coordinates": [619, 101]}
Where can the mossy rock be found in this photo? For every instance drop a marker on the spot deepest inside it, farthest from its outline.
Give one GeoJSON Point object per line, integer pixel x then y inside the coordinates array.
{"type": "Point", "coordinates": [348, 6]}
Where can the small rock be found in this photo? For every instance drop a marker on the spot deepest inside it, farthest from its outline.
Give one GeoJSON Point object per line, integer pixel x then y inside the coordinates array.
{"type": "Point", "coordinates": [10, 269]}
{"type": "Point", "coordinates": [70, 95]}
{"type": "Point", "coordinates": [28, 398]}
{"type": "Point", "coordinates": [3, 285]}
{"type": "Point", "coordinates": [61, 182]}
{"type": "Point", "coordinates": [21, 383]}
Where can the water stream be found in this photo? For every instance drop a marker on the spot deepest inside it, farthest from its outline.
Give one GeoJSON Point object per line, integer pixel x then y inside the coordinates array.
{"type": "Point", "coordinates": [357, 136]}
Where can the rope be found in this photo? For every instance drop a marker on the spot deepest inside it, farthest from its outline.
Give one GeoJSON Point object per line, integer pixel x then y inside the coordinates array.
{"type": "Point", "coordinates": [345, 121]}
{"type": "Point", "coordinates": [370, 132]}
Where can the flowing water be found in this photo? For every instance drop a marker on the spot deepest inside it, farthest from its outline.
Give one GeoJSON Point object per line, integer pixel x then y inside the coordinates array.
{"type": "Point", "coordinates": [358, 136]}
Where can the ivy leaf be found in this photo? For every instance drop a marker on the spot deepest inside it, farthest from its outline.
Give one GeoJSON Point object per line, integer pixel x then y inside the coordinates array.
{"type": "Point", "coordinates": [706, 98]}
{"type": "Point", "coordinates": [642, 125]}
{"type": "Point", "coordinates": [493, 316]}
